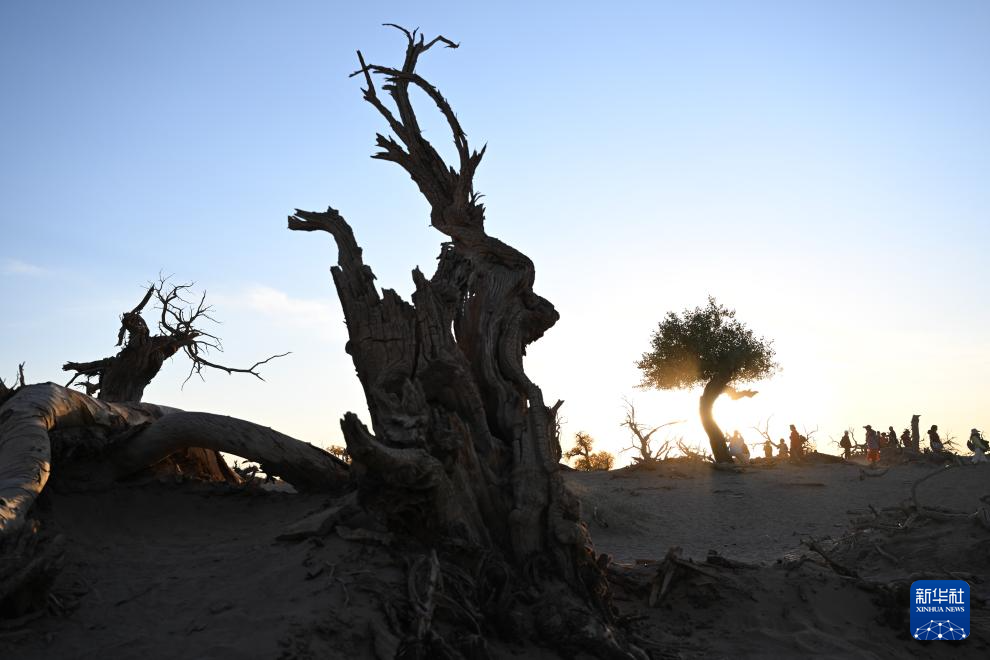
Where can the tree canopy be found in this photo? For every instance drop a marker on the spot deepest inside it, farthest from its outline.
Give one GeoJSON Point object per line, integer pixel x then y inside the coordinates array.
{"type": "Point", "coordinates": [701, 344]}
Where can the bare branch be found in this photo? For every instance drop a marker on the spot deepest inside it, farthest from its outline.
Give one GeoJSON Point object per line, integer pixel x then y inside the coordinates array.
{"type": "Point", "coordinates": [441, 39]}
{"type": "Point", "coordinates": [642, 437]}
{"type": "Point", "coordinates": [124, 376]}
{"type": "Point", "coordinates": [735, 394]}
{"type": "Point", "coordinates": [144, 301]}
{"type": "Point", "coordinates": [199, 362]}
{"type": "Point", "coordinates": [451, 194]}
{"type": "Point", "coordinates": [410, 36]}
{"type": "Point", "coordinates": [765, 431]}
{"type": "Point", "coordinates": [367, 75]}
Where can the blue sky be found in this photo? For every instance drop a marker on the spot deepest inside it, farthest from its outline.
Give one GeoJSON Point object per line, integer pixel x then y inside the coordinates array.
{"type": "Point", "coordinates": [820, 166]}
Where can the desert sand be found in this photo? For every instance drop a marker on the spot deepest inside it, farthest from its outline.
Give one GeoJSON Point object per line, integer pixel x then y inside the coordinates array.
{"type": "Point", "coordinates": [194, 570]}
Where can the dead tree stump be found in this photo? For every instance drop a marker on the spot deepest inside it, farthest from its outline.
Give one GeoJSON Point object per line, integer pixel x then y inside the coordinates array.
{"type": "Point", "coordinates": [463, 455]}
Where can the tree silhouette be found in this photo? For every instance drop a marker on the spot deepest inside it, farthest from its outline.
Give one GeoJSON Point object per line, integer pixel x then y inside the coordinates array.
{"type": "Point", "coordinates": [642, 440]}
{"type": "Point", "coordinates": [124, 376]}
{"type": "Point", "coordinates": [463, 454]}
{"type": "Point", "coordinates": [707, 346]}
{"type": "Point", "coordinates": [587, 459]}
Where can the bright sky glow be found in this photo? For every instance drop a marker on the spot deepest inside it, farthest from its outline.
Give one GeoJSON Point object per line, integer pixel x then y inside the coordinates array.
{"type": "Point", "coordinates": [821, 167]}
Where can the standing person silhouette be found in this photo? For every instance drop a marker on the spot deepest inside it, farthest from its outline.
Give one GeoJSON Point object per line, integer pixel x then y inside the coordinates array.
{"type": "Point", "coordinates": [979, 446]}
{"type": "Point", "coordinates": [872, 445]}
{"type": "Point", "coordinates": [797, 444]}
{"type": "Point", "coordinates": [846, 445]}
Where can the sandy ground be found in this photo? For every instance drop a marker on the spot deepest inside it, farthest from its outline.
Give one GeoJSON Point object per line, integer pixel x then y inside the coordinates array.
{"type": "Point", "coordinates": [164, 571]}
{"type": "Point", "coordinates": [195, 571]}
{"type": "Point", "coordinates": [757, 515]}
{"type": "Point", "coordinates": [785, 607]}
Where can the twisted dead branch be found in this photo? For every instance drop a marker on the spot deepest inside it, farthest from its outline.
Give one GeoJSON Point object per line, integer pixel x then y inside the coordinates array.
{"type": "Point", "coordinates": [124, 376]}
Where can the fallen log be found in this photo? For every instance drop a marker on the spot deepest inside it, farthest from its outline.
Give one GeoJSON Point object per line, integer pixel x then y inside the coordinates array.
{"type": "Point", "coordinates": [123, 438]}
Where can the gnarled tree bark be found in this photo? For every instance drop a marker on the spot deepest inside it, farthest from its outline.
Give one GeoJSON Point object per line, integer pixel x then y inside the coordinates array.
{"type": "Point", "coordinates": [123, 377]}
{"type": "Point", "coordinates": [463, 453]}
{"type": "Point", "coordinates": [101, 441]}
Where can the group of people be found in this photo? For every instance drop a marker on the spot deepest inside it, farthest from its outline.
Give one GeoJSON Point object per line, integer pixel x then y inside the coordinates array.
{"type": "Point", "coordinates": [881, 441]}
{"type": "Point", "coordinates": [875, 443]}
{"type": "Point", "coordinates": [740, 451]}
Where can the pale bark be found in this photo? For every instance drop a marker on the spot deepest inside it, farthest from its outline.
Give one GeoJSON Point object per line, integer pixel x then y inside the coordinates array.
{"type": "Point", "coordinates": [299, 463]}
{"type": "Point", "coordinates": [135, 436]}
{"type": "Point", "coordinates": [25, 449]}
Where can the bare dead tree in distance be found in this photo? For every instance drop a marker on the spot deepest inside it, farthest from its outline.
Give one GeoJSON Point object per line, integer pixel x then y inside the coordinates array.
{"type": "Point", "coordinates": [642, 440]}
{"type": "Point", "coordinates": [587, 459]}
{"type": "Point", "coordinates": [764, 430]}
{"type": "Point", "coordinates": [7, 392]}
{"type": "Point", "coordinates": [124, 376]}
{"type": "Point", "coordinates": [463, 453]}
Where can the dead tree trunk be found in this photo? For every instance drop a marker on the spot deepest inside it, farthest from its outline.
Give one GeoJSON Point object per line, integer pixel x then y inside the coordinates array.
{"type": "Point", "coordinates": [96, 442]}
{"type": "Point", "coordinates": [916, 433]}
{"type": "Point", "coordinates": [124, 376]}
{"type": "Point", "coordinates": [91, 443]}
{"type": "Point", "coordinates": [463, 453]}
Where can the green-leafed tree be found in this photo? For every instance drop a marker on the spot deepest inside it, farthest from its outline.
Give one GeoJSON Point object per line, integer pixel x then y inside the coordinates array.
{"type": "Point", "coordinates": [586, 458]}
{"type": "Point", "coordinates": [707, 346]}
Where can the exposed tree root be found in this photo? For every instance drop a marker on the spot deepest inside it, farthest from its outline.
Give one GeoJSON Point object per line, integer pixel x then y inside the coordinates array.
{"type": "Point", "coordinates": [981, 516]}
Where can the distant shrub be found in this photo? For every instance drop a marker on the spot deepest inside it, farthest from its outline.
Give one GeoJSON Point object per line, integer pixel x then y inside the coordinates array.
{"type": "Point", "coordinates": [585, 458]}
{"type": "Point", "coordinates": [340, 452]}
